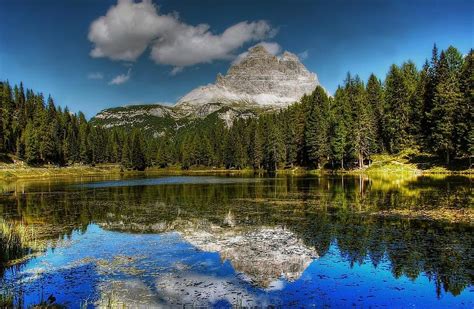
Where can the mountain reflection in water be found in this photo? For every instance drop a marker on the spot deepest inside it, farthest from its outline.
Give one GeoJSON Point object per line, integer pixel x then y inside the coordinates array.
{"type": "Point", "coordinates": [239, 241]}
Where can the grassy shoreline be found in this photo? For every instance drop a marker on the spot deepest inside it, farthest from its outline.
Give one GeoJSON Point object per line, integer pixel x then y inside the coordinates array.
{"type": "Point", "coordinates": [13, 173]}
{"type": "Point", "coordinates": [381, 165]}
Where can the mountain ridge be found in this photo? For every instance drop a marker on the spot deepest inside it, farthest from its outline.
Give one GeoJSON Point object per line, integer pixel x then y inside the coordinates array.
{"type": "Point", "coordinates": [258, 83]}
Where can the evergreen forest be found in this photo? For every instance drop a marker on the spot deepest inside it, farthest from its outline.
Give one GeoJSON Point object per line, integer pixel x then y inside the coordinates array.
{"type": "Point", "coordinates": [428, 109]}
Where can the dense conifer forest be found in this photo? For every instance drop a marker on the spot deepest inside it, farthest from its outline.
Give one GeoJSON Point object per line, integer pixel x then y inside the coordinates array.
{"type": "Point", "coordinates": [428, 109]}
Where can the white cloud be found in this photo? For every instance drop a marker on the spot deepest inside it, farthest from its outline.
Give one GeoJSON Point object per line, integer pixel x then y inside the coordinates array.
{"type": "Point", "coordinates": [188, 45]}
{"type": "Point", "coordinates": [95, 75]}
{"type": "Point", "coordinates": [125, 31]}
{"type": "Point", "coordinates": [176, 70]}
{"type": "Point", "coordinates": [272, 47]}
{"type": "Point", "coordinates": [120, 79]}
{"type": "Point", "coordinates": [303, 55]}
{"type": "Point", "coordinates": [129, 27]}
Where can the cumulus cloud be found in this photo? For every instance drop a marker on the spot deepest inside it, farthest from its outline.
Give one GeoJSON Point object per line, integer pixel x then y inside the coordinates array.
{"type": "Point", "coordinates": [95, 75]}
{"type": "Point", "coordinates": [125, 31]}
{"type": "Point", "coordinates": [188, 45]}
{"type": "Point", "coordinates": [303, 55]}
{"type": "Point", "coordinates": [120, 79]}
{"type": "Point", "coordinates": [129, 28]}
{"type": "Point", "coordinates": [272, 47]}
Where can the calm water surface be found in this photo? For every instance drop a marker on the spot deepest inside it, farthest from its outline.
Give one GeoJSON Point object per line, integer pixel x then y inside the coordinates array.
{"type": "Point", "coordinates": [234, 241]}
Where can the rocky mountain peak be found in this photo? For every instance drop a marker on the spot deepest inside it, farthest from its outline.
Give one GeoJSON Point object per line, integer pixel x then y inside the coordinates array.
{"type": "Point", "coordinates": [258, 83]}
{"type": "Point", "coordinates": [259, 78]}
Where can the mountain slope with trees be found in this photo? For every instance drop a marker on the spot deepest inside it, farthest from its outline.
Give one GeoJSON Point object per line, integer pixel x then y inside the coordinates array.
{"type": "Point", "coordinates": [428, 109]}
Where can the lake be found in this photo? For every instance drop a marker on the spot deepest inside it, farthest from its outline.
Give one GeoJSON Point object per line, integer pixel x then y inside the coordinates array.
{"type": "Point", "coordinates": [223, 241]}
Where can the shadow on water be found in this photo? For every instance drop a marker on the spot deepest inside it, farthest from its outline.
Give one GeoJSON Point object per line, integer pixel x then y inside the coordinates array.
{"type": "Point", "coordinates": [329, 214]}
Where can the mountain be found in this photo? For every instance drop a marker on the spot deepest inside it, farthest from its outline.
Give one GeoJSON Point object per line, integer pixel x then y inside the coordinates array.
{"type": "Point", "coordinates": [258, 83]}
{"type": "Point", "coordinates": [260, 78]}
{"type": "Point", "coordinates": [254, 252]}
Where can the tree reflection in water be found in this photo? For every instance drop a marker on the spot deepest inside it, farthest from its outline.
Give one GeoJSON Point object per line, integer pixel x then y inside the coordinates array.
{"type": "Point", "coordinates": [320, 210]}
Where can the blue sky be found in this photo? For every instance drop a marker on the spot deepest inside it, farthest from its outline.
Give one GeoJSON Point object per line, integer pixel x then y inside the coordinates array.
{"type": "Point", "coordinates": [74, 49]}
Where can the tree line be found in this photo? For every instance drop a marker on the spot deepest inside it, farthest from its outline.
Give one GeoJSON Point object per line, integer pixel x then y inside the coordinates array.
{"type": "Point", "coordinates": [39, 132]}
{"type": "Point", "coordinates": [428, 109]}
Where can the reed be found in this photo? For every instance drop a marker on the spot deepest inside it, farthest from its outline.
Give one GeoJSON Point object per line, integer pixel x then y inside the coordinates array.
{"type": "Point", "coordinates": [16, 241]}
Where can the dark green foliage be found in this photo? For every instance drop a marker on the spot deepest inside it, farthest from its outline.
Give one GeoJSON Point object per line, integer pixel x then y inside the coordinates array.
{"type": "Point", "coordinates": [32, 145]}
{"type": "Point", "coordinates": [255, 145]}
{"type": "Point", "coordinates": [363, 131]}
{"type": "Point", "coordinates": [137, 152]}
{"type": "Point", "coordinates": [428, 109]}
{"type": "Point", "coordinates": [376, 101]}
{"type": "Point", "coordinates": [273, 143]}
{"type": "Point", "coordinates": [464, 114]}
{"type": "Point", "coordinates": [397, 111]}
{"type": "Point", "coordinates": [317, 127]}
{"type": "Point", "coordinates": [40, 133]}
{"type": "Point", "coordinates": [447, 97]}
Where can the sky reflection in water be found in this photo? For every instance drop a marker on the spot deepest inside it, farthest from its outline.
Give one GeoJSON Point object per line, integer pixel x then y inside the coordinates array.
{"type": "Point", "coordinates": [172, 246]}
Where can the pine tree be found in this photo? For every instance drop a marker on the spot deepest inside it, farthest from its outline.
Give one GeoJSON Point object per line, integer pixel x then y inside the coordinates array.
{"type": "Point", "coordinates": [116, 147]}
{"type": "Point", "coordinates": [137, 156]}
{"type": "Point", "coordinates": [32, 145]}
{"type": "Point", "coordinates": [363, 128]}
{"type": "Point", "coordinates": [255, 145]}
{"type": "Point", "coordinates": [464, 114]}
{"type": "Point", "coordinates": [126, 153]}
{"type": "Point", "coordinates": [455, 61]}
{"type": "Point", "coordinates": [205, 154]}
{"type": "Point", "coordinates": [411, 80]}
{"type": "Point", "coordinates": [84, 147]}
{"type": "Point", "coordinates": [49, 141]}
{"type": "Point", "coordinates": [317, 127]}
{"type": "Point", "coordinates": [274, 147]}
{"type": "Point", "coordinates": [163, 158]}
{"type": "Point", "coordinates": [290, 132]}
{"type": "Point", "coordinates": [92, 145]}
{"type": "Point", "coordinates": [447, 96]}
{"type": "Point", "coordinates": [429, 94]}
{"type": "Point", "coordinates": [418, 119]}
{"type": "Point", "coordinates": [339, 140]}
{"type": "Point", "coordinates": [7, 117]}
{"type": "Point", "coordinates": [397, 111]}
{"type": "Point", "coordinates": [375, 99]}
{"type": "Point", "coordinates": [235, 149]}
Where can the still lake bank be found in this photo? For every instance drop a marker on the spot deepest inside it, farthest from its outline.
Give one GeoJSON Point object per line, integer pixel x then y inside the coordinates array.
{"type": "Point", "coordinates": [387, 177]}
{"type": "Point", "coordinates": [382, 165]}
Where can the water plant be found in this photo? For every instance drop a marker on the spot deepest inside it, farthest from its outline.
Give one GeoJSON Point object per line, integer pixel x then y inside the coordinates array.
{"type": "Point", "coordinates": [16, 241]}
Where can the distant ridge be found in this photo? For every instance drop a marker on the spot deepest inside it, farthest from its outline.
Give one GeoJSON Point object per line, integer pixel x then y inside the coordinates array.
{"type": "Point", "coordinates": [259, 82]}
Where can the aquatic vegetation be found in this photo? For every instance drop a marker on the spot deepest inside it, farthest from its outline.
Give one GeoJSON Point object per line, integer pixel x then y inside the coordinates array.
{"type": "Point", "coordinates": [6, 300]}
{"type": "Point", "coordinates": [14, 240]}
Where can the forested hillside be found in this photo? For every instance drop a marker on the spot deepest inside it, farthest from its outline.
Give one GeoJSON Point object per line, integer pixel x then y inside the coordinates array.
{"type": "Point", "coordinates": [428, 109]}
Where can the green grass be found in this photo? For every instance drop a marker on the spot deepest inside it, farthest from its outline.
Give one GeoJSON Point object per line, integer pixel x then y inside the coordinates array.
{"type": "Point", "coordinates": [383, 164]}
{"type": "Point", "coordinates": [414, 161]}
{"type": "Point", "coordinates": [12, 171]}
{"type": "Point", "coordinates": [408, 162]}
